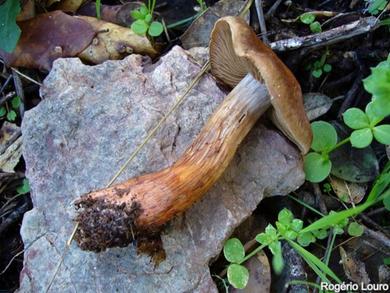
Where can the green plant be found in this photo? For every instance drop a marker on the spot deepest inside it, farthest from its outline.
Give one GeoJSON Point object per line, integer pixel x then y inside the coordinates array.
{"type": "Point", "coordinates": [144, 20]}
{"type": "Point", "coordinates": [291, 229]}
{"type": "Point", "coordinates": [24, 188]}
{"type": "Point", "coordinates": [309, 19]}
{"type": "Point", "coordinates": [376, 6]}
{"type": "Point", "coordinates": [320, 66]}
{"type": "Point", "coordinates": [10, 113]}
{"type": "Point", "coordinates": [9, 32]}
{"type": "Point", "coordinates": [364, 125]}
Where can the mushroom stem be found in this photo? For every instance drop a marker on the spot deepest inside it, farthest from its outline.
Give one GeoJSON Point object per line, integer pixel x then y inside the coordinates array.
{"type": "Point", "coordinates": [113, 216]}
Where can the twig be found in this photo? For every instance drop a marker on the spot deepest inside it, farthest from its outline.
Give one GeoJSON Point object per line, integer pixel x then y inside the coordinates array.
{"type": "Point", "coordinates": [260, 15]}
{"type": "Point", "coordinates": [273, 8]}
{"type": "Point", "coordinates": [19, 91]}
{"type": "Point", "coordinates": [329, 37]}
{"type": "Point", "coordinates": [351, 94]}
{"type": "Point", "coordinates": [23, 75]}
{"type": "Point", "coordinates": [5, 83]}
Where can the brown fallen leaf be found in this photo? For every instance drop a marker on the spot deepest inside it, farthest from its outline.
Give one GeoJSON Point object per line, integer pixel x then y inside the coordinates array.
{"type": "Point", "coordinates": [47, 37]}
{"type": "Point", "coordinates": [348, 191]}
{"type": "Point", "coordinates": [55, 34]}
{"type": "Point", "coordinates": [354, 269]}
{"type": "Point", "coordinates": [113, 42]}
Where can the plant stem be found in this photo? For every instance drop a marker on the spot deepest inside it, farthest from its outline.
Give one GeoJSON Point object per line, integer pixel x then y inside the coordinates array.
{"type": "Point", "coordinates": [98, 5]}
{"type": "Point", "coordinates": [183, 21]}
{"type": "Point", "coordinates": [253, 253]}
{"type": "Point", "coordinates": [330, 248]}
{"type": "Point", "coordinates": [344, 141]}
{"type": "Point", "coordinates": [307, 206]}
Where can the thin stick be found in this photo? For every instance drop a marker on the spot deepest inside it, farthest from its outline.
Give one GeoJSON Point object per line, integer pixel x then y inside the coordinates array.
{"type": "Point", "coordinates": [260, 15]}
{"type": "Point", "coordinates": [23, 75]}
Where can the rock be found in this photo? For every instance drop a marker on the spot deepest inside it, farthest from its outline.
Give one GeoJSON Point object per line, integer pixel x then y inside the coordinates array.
{"type": "Point", "coordinates": [90, 120]}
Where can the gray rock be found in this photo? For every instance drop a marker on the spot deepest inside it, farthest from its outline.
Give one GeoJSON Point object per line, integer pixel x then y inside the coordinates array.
{"type": "Point", "coordinates": [75, 140]}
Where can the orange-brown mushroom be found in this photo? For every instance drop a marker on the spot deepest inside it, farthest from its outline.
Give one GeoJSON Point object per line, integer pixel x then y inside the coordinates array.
{"type": "Point", "coordinates": [113, 216]}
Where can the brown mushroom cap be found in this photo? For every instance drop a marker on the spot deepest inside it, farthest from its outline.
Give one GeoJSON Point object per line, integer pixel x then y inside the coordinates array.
{"type": "Point", "coordinates": [236, 51]}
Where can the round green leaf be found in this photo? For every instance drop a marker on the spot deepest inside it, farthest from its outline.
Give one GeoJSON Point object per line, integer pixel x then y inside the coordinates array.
{"type": "Point", "coordinates": [263, 238]}
{"type": "Point", "coordinates": [355, 229]}
{"type": "Point", "coordinates": [320, 234]}
{"type": "Point", "coordinates": [356, 118]}
{"type": "Point", "coordinates": [140, 27]}
{"type": "Point", "coordinates": [307, 18]}
{"type": "Point", "coordinates": [143, 10]}
{"type": "Point", "coordinates": [233, 250]}
{"type": "Point", "coordinates": [327, 68]}
{"type": "Point", "coordinates": [148, 18]}
{"type": "Point", "coordinates": [304, 239]}
{"type": "Point", "coordinates": [136, 14]}
{"type": "Point", "coordinates": [155, 29]}
{"type": "Point", "coordinates": [11, 116]}
{"type": "Point", "coordinates": [361, 138]}
{"type": "Point", "coordinates": [275, 247]}
{"type": "Point", "coordinates": [15, 102]}
{"type": "Point", "coordinates": [316, 167]}
{"type": "Point", "coordinates": [317, 73]}
{"type": "Point", "coordinates": [285, 216]}
{"type": "Point", "coordinates": [324, 136]}
{"type": "Point", "coordinates": [375, 112]}
{"type": "Point", "coordinates": [3, 111]}
{"type": "Point", "coordinates": [297, 225]}
{"type": "Point", "coordinates": [238, 276]}
{"type": "Point", "coordinates": [315, 27]}
{"type": "Point", "coordinates": [382, 133]}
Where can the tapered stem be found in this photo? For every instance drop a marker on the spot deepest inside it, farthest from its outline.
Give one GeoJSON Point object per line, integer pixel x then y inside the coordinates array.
{"type": "Point", "coordinates": [112, 216]}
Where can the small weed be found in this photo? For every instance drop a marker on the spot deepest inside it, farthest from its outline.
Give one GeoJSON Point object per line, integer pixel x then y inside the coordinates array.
{"type": "Point", "coordinates": [10, 112]}
{"type": "Point", "coordinates": [309, 19]}
{"type": "Point", "coordinates": [320, 66]}
{"type": "Point", "coordinates": [290, 229]}
{"type": "Point", "coordinates": [144, 23]}
{"type": "Point", "coordinates": [376, 6]}
{"type": "Point", "coordinates": [364, 125]}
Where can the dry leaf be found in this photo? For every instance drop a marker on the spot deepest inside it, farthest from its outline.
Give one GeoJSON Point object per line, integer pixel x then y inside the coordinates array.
{"type": "Point", "coordinates": [10, 146]}
{"type": "Point", "coordinates": [347, 191]}
{"type": "Point", "coordinates": [354, 269]}
{"type": "Point", "coordinates": [114, 42]}
{"type": "Point", "coordinates": [47, 37]}
{"type": "Point", "coordinates": [316, 105]}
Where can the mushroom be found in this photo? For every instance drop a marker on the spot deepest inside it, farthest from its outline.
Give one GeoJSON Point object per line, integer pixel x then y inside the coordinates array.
{"type": "Point", "coordinates": [114, 216]}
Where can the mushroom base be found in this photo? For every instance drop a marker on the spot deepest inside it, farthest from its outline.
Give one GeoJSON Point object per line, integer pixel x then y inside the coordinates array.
{"type": "Point", "coordinates": [102, 224]}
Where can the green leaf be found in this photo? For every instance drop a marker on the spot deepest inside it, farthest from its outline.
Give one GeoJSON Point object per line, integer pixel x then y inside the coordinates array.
{"type": "Point", "coordinates": [386, 261]}
{"type": "Point", "coordinates": [355, 229]}
{"type": "Point", "coordinates": [316, 167]}
{"type": "Point", "coordinates": [320, 234]}
{"type": "Point", "coordinates": [278, 263]}
{"type": "Point", "coordinates": [271, 232]}
{"type": "Point", "coordinates": [24, 188]}
{"type": "Point", "coordinates": [3, 111]}
{"type": "Point", "coordinates": [378, 83]}
{"type": "Point", "coordinates": [233, 250]}
{"type": "Point", "coordinates": [11, 115]}
{"type": "Point", "coordinates": [275, 247]}
{"type": "Point", "coordinates": [15, 102]}
{"type": "Point", "coordinates": [374, 112]}
{"type": "Point", "coordinates": [327, 68]}
{"type": "Point", "coordinates": [285, 216]}
{"type": "Point", "coordinates": [306, 238]}
{"type": "Point", "coordinates": [386, 203]}
{"type": "Point", "coordinates": [140, 27]}
{"type": "Point", "coordinates": [307, 18]}
{"type": "Point", "coordinates": [317, 73]}
{"type": "Point", "coordinates": [292, 235]}
{"type": "Point", "coordinates": [155, 29]}
{"type": "Point", "coordinates": [143, 10]}
{"type": "Point", "coordinates": [324, 136]}
{"type": "Point", "coordinates": [376, 6]}
{"type": "Point", "coordinates": [136, 14]}
{"type": "Point", "coordinates": [148, 18]}
{"type": "Point", "coordinates": [297, 225]}
{"type": "Point", "coordinates": [361, 138]}
{"type": "Point", "coordinates": [356, 118]}
{"type": "Point", "coordinates": [382, 133]}
{"type": "Point", "coordinates": [282, 229]}
{"type": "Point", "coordinates": [312, 260]}
{"type": "Point", "coordinates": [334, 218]}
{"type": "Point", "coordinates": [238, 276]}
{"type": "Point", "coordinates": [9, 32]}
{"type": "Point", "coordinates": [315, 27]}
{"type": "Point", "coordinates": [263, 239]}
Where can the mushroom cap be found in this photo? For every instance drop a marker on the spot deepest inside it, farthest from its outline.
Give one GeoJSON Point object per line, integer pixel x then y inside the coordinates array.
{"type": "Point", "coordinates": [236, 51]}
